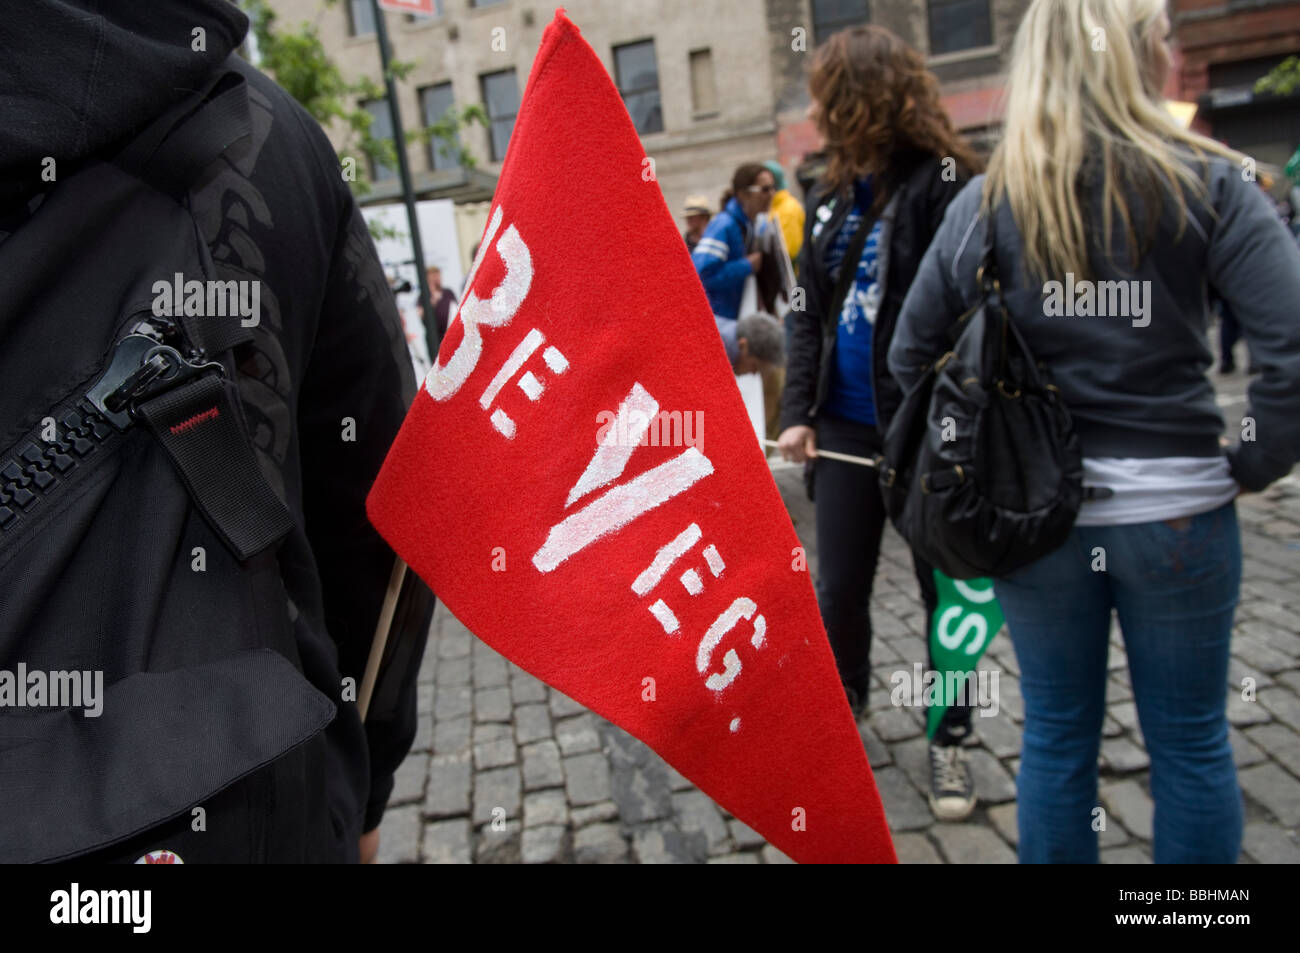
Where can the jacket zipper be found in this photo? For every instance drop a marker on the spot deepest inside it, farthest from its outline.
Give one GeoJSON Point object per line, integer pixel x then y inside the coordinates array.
{"type": "Point", "coordinates": [145, 361]}
{"type": "Point", "coordinates": [35, 470]}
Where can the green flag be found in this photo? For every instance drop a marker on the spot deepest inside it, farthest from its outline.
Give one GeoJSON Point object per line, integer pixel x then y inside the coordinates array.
{"type": "Point", "coordinates": [964, 623]}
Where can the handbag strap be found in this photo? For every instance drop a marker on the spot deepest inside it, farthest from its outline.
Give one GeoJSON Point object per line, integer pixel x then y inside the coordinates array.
{"type": "Point", "coordinates": [990, 288]}
{"type": "Point", "coordinates": [988, 270]}
{"type": "Point", "coordinates": [849, 267]}
{"type": "Point", "coordinates": [986, 279]}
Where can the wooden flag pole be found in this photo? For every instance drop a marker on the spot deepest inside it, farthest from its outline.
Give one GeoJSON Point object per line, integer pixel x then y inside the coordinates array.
{"type": "Point", "coordinates": [381, 636]}
{"type": "Point", "coordinates": [832, 455]}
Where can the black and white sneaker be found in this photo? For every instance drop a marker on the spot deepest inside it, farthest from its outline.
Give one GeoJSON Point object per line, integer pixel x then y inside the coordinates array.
{"type": "Point", "coordinates": [952, 792]}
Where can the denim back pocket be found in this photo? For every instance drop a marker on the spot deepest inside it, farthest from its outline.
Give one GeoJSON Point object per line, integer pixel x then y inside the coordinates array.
{"type": "Point", "coordinates": [1192, 549]}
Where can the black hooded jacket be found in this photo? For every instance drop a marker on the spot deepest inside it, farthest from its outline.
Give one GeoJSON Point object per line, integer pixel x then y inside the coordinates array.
{"type": "Point", "coordinates": [81, 77]}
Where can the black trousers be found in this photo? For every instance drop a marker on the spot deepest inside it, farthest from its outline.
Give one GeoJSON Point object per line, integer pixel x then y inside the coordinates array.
{"type": "Point", "coordinates": [1229, 335]}
{"type": "Point", "coordinates": [850, 524]}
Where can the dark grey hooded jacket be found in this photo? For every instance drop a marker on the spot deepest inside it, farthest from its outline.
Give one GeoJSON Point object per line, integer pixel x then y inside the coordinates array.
{"type": "Point", "coordinates": [1134, 375]}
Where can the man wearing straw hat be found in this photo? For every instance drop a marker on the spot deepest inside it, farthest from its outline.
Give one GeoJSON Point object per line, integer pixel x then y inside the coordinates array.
{"type": "Point", "coordinates": [697, 213]}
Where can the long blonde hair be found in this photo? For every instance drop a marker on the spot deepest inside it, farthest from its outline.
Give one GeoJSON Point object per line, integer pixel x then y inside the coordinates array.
{"type": "Point", "coordinates": [1080, 96]}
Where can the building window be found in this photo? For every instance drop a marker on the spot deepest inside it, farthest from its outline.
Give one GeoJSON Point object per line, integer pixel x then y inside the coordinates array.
{"type": "Point", "coordinates": [831, 16]}
{"type": "Point", "coordinates": [361, 18]}
{"type": "Point", "coordinates": [704, 91]}
{"type": "Point", "coordinates": [959, 25]}
{"type": "Point", "coordinates": [638, 81]}
{"type": "Point", "coordinates": [435, 101]}
{"type": "Point", "coordinates": [381, 127]}
{"type": "Point", "coordinates": [501, 96]}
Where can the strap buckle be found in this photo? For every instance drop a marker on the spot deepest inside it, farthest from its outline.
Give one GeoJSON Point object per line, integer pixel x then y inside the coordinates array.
{"type": "Point", "coordinates": [944, 479]}
{"type": "Point", "coordinates": [141, 368]}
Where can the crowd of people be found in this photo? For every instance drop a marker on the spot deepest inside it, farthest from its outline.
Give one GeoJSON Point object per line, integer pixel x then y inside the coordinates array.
{"type": "Point", "coordinates": [224, 537]}
{"type": "Point", "coordinates": [887, 262]}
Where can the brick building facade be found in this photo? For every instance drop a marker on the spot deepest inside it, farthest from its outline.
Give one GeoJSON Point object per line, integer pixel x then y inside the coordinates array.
{"type": "Point", "coordinates": [1223, 47]}
{"type": "Point", "coordinates": [713, 83]}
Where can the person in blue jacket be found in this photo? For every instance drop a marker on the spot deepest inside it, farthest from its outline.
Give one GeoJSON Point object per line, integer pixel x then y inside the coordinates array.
{"type": "Point", "coordinates": [720, 258]}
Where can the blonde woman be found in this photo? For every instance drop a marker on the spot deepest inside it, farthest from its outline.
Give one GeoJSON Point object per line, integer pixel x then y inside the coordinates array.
{"type": "Point", "coordinates": [1094, 181]}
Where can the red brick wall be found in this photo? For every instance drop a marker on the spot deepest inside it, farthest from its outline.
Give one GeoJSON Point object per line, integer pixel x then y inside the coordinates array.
{"type": "Point", "coordinates": [794, 140]}
{"type": "Point", "coordinates": [975, 108]}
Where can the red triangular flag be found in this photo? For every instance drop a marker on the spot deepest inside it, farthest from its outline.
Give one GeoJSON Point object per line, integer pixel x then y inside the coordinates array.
{"type": "Point", "coordinates": [579, 482]}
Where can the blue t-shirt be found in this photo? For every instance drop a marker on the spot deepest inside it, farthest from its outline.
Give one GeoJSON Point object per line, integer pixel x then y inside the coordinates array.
{"type": "Point", "coordinates": [851, 395]}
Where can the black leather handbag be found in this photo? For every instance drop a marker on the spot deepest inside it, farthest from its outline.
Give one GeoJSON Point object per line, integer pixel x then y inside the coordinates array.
{"type": "Point", "coordinates": [981, 471]}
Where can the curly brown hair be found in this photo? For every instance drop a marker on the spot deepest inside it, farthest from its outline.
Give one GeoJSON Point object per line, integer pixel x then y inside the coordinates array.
{"type": "Point", "coordinates": [877, 100]}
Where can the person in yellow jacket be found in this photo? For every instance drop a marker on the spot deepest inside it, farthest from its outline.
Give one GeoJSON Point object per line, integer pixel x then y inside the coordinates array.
{"type": "Point", "coordinates": [788, 212]}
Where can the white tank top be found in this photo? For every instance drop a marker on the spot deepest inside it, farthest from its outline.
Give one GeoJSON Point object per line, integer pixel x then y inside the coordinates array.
{"type": "Point", "coordinates": [1161, 488]}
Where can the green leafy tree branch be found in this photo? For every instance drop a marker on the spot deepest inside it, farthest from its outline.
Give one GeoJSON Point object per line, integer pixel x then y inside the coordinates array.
{"type": "Point", "coordinates": [1282, 79]}
{"type": "Point", "coordinates": [298, 61]}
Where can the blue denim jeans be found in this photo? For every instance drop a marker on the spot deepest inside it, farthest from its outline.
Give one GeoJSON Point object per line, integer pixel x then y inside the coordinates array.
{"type": "Point", "coordinates": [1174, 586]}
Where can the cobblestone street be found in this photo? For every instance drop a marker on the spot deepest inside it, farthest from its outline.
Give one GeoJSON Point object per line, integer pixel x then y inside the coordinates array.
{"type": "Point", "coordinates": [495, 743]}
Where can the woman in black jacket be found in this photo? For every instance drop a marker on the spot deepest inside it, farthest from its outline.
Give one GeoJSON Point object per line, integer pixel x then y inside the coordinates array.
{"type": "Point", "coordinates": [895, 162]}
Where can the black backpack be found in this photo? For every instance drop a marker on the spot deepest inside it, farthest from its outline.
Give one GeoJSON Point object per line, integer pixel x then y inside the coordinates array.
{"type": "Point", "coordinates": [982, 471]}
{"type": "Point", "coordinates": [137, 531]}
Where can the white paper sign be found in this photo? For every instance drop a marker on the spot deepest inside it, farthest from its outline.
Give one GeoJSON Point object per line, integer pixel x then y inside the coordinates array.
{"type": "Point", "coordinates": [751, 390]}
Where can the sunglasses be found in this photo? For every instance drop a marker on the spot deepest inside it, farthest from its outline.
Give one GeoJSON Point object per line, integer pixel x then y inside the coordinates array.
{"type": "Point", "coordinates": [765, 189]}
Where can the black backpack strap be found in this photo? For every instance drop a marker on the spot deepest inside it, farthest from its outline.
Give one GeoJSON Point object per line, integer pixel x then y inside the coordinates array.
{"type": "Point", "coordinates": [196, 422]}
{"type": "Point", "coordinates": [218, 124]}
{"type": "Point", "coordinates": [173, 149]}
{"type": "Point", "coordinates": [134, 157]}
